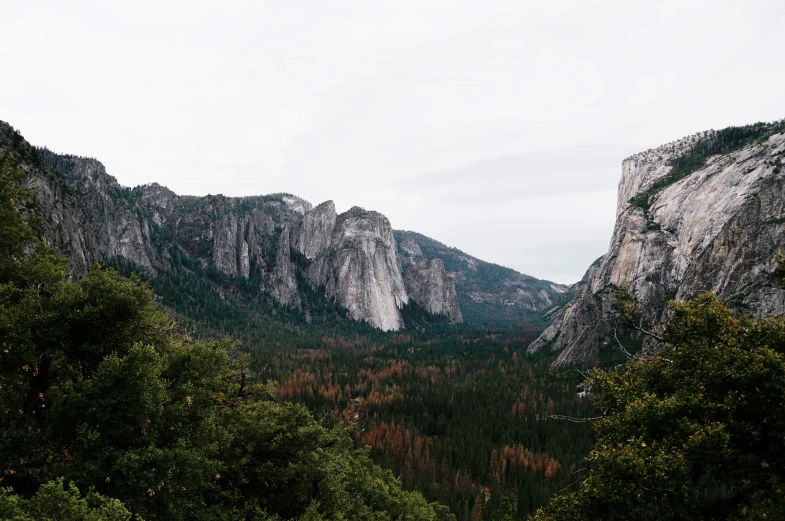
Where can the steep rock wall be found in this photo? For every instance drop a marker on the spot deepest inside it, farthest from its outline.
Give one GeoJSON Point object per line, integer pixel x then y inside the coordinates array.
{"type": "Point", "coordinates": [361, 270]}
{"type": "Point", "coordinates": [269, 240]}
{"type": "Point", "coordinates": [282, 281]}
{"type": "Point", "coordinates": [486, 292]}
{"type": "Point", "coordinates": [718, 229]}
{"type": "Point", "coordinates": [314, 232]}
{"type": "Point", "coordinates": [430, 286]}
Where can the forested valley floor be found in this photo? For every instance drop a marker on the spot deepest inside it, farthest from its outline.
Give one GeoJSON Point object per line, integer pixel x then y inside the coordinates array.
{"type": "Point", "coordinates": [193, 396]}
{"type": "Point", "coordinates": [463, 418]}
{"type": "Point", "coordinates": [459, 413]}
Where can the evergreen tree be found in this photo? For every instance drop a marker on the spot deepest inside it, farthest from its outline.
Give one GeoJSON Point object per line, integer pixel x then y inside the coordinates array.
{"type": "Point", "coordinates": [99, 392]}
{"type": "Point", "coordinates": [694, 432]}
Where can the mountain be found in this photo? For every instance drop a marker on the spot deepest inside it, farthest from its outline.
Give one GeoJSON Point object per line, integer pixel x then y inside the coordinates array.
{"type": "Point", "coordinates": [704, 213]}
{"type": "Point", "coordinates": [433, 288]}
{"type": "Point", "coordinates": [359, 267]}
{"type": "Point", "coordinates": [487, 293]}
{"type": "Point", "coordinates": [271, 250]}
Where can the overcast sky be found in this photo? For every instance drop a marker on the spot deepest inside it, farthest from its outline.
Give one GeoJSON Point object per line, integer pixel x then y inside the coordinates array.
{"type": "Point", "coordinates": [495, 127]}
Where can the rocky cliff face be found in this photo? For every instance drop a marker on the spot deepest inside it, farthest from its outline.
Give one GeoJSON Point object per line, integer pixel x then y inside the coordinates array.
{"type": "Point", "coordinates": [267, 240]}
{"type": "Point", "coordinates": [275, 243]}
{"type": "Point", "coordinates": [430, 286]}
{"type": "Point", "coordinates": [90, 217]}
{"type": "Point", "coordinates": [283, 282]}
{"type": "Point", "coordinates": [314, 233]}
{"type": "Point", "coordinates": [141, 225]}
{"type": "Point", "coordinates": [360, 269]}
{"type": "Point", "coordinates": [717, 229]}
{"type": "Point", "coordinates": [486, 292]}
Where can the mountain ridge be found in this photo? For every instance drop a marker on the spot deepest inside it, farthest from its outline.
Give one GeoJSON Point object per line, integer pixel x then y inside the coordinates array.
{"type": "Point", "coordinates": [487, 292]}
{"type": "Point", "coordinates": [276, 241]}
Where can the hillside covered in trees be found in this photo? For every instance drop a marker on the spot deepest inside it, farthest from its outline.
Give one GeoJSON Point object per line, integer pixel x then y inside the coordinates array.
{"type": "Point", "coordinates": [99, 387]}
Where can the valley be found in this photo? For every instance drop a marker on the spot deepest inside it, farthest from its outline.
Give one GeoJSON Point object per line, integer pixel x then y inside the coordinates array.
{"type": "Point", "coordinates": [462, 389]}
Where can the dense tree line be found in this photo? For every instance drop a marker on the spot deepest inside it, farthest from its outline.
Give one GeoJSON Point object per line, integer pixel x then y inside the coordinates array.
{"type": "Point", "coordinates": [455, 416]}
{"type": "Point", "coordinates": [693, 432]}
{"type": "Point", "coordinates": [106, 410]}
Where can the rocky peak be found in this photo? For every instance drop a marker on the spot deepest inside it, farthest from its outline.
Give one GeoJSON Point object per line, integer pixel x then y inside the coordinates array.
{"type": "Point", "coordinates": [158, 197]}
{"type": "Point", "coordinates": [61, 214]}
{"type": "Point", "coordinates": [297, 205]}
{"type": "Point", "coordinates": [282, 283]}
{"type": "Point", "coordinates": [361, 270]}
{"type": "Point", "coordinates": [430, 286]}
{"type": "Point", "coordinates": [410, 250]}
{"type": "Point", "coordinates": [486, 292]}
{"type": "Point", "coordinates": [314, 233]}
{"type": "Point", "coordinates": [266, 239]}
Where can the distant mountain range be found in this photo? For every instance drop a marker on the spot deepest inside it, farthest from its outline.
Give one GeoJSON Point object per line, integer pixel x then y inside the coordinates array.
{"type": "Point", "coordinates": [276, 247]}
{"type": "Point", "coordinates": [487, 292]}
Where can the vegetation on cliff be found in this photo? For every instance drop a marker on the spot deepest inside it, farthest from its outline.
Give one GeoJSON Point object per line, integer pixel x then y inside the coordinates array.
{"type": "Point", "coordinates": [714, 143]}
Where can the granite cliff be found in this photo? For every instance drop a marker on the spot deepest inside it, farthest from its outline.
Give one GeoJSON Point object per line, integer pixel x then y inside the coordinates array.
{"type": "Point", "coordinates": [359, 268]}
{"type": "Point", "coordinates": [278, 244]}
{"type": "Point", "coordinates": [430, 286]}
{"type": "Point", "coordinates": [314, 233]}
{"type": "Point", "coordinates": [704, 213]}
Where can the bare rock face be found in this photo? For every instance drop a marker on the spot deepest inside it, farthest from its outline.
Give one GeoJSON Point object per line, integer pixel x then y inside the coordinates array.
{"type": "Point", "coordinates": [295, 204]}
{"type": "Point", "coordinates": [61, 225]}
{"type": "Point", "coordinates": [360, 269]}
{"type": "Point", "coordinates": [225, 245]}
{"type": "Point", "coordinates": [282, 281]}
{"type": "Point", "coordinates": [580, 320]}
{"type": "Point", "coordinates": [62, 218]}
{"type": "Point", "coordinates": [314, 233]}
{"type": "Point", "coordinates": [271, 241]}
{"type": "Point", "coordinates": [718, 229]}
{"type": "Point", "coordinates": [88, 216]}
{"type": "Point", "coordinates": [430, 286]}
{"type": "Point", "coordinates": [118, 229]}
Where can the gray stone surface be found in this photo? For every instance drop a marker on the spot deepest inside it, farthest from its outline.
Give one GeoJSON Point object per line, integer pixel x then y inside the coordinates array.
{"type": "Point", "coordinates": [430, 286]}
{"type": "Point", "coordinates": [90, 217]}
{"type": "Point", "coordinates": [486, 292]}
{"type": "Point", "coordinates": [719, 229]}
{"type": "Point", "coordinates": [314, 232]}
{"type": "Point", "coordinates": [361, 270]}
{"type": "Point", "coordinates": [282, 282]}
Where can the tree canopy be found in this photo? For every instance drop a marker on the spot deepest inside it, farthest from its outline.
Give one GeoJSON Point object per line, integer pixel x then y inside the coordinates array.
{"type": "Point", "coordinates": [101, 395]}
{"type": "Point", "coordinates": [693, 432]}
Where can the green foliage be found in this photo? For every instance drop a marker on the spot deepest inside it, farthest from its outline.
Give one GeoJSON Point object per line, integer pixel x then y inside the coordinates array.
{"type": "Point", "coordinates": [694, 432]}
{"type": "Point", "coordinates": [722, 141]}
{"type": "Point", "coordinates": [466, 397]}
{"type": "Point", "coordinates": [15, 227]}
{"type": "Point", "coordinates": [56, 501]}
{"type": "Point", "coordinates": [505, 511]}
{"type": "Point", "coordinates": [418, 319]}
{"type": "Point", "coordinates": [98, 387]}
